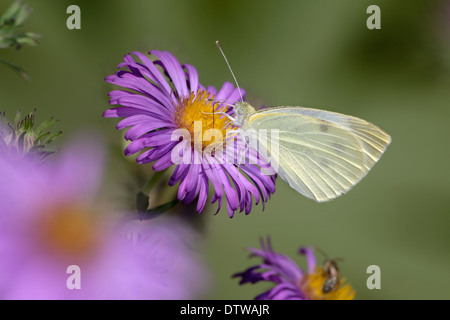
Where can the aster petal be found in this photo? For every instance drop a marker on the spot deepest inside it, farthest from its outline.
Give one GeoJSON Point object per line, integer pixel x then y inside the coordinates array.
{"type": "Point", "coordinates": [190, 182]}
{"type": "Point", "coordinates": [263, 296]}
{"type": "Point", "coordinates": [251, 275]}
{"type": "Point", "coordinates": [284, 291]}
{"type": "Point", "coordinates": [219, 202]}
{"type": "Point", "coordinates": [310, 258]}
{"type": "Point", "coordinates": [192, 75]}
{"type": "Point", "coordinates": [231, 196]}
{"type": "Point", "coordinates": [174, 71]}
{"type": "Point", "coordinates": [179, 173]}
{"type": "Point", "coordinates": [121, 112]}
{"type": "Point", "coordinates": [244, 188]}
{"type": "Point", "coordinates": [270, 275]}
{"type": "Point", "coordinates": [141, 124]}
{"type": "Point", "coordinates": [230, 208]}
{"type": "Point", "coordinates": [153, 73]}
{"type": "Point", "coordinates": [211, 90]}
{"type": "Point", "coordinates": [163, 162]}
{"type": "Point", "coordinates": [140, 103]}
{"type": "Point", "coordinates": [248, 205]}
{"type": "Point", "coordinates": [144, 157]}
{"type": "Point", "coordinates": [203, 195]}
{"type": "Point", "coordinates": [250, 188]}
{"type": "Point", "coordinates": [192, 194]}
{"type": "Point", "coordinates": [142, 86]}
{"type": "Point", "coordinates": [235, 95]}
{"type": "Point", "coordinates": [223, 95]}
{"type": "Point", "coordinates": [156, 138]}
{"type": "Point", "coordinates": [182, 188]}
{"type": "Point", "coordinates": [265, 184]}
{"type": "Point", "coordinates": [212, 175]}
{"type": "Point", "coordinates": [196, 168]}
{"type": "Point", "coordinates": [155, 153]}
{"type": "Point", "coordinates": [282, 264]}
{"type": "Point", "coordinates": [232, 172]}
{"type": "Point", "coordinates": [136, 132]}
{"type": "Point", "coordinates": [225, 91]}
{"type": "Point", "coordinates": [152, 139]}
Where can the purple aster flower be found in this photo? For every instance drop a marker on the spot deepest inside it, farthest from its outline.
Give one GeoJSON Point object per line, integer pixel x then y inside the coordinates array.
{"type": "Point", "coordinates": [291, 282]}
{"type": "Point", "coordinates": [50, 220]}
{"type": "Point", "coordinates": [164, 97]}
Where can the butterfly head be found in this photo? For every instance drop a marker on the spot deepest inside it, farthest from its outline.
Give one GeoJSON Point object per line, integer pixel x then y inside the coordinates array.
{"type": "Point", "coordinates": [240, 108]}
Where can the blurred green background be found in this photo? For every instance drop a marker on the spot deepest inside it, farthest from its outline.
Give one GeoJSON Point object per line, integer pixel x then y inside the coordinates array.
{"type": "Point", "coordinates": [315, 53]}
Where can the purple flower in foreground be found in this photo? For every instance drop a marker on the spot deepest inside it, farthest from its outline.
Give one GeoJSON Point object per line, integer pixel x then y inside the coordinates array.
{"type": "Point", "coordinates": [155, 108]}
{"type": "Point", "coordinates": [291, 282]}
{"type": "Point", "coordinates": [50, 220]}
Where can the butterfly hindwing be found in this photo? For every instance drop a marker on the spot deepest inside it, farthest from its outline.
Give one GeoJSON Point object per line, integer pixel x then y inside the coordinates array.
{"type": "Point", "coordinates": [320, 154]}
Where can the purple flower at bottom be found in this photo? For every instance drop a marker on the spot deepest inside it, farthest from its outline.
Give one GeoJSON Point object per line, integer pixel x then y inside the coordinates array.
{"type": "Point", "coordinates": [50, 220]}
{"type": "Point", "coordinates": [291, 282]}
{"type": "Point", "coordinates": [155, 108]}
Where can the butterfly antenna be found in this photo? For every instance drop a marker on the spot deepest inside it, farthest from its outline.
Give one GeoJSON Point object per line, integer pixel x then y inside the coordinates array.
{"type": "Point", "coordinates": [229, 67]}
{"type": "Point", "coordinates": [213, 115]}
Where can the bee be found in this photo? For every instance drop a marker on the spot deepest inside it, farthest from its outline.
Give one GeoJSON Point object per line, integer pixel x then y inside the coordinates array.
{"type": "Point", "coordinates": [333, 276]}
{"type": "Point", "coordinates": [331, 270]}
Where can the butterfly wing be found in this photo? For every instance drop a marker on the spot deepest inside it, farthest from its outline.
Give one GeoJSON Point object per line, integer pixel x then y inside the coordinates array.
{"type": "Point", "coordinates": [321, 154]}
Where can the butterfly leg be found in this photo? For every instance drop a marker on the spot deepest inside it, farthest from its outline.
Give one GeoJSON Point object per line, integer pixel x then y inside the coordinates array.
{"type": "Point", "coordinates": [222, 113]}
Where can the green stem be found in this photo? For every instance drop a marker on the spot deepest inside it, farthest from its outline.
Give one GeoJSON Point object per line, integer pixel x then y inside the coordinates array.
{"type": "Point", "coordinates": [153, 181]}
{"type": "Point", "coordinates": [159, 210]}
{"type": "Point", "coordinates": [166, 206]}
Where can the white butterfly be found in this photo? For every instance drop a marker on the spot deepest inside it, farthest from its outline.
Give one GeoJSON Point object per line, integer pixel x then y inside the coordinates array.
{"type": "Point", "coordinates": [321, 154]}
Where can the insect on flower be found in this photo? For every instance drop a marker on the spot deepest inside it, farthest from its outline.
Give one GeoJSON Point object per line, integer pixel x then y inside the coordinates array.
{"type": "Point", "coordinates": [293, 283]}
{"type": "Point", "coordinates": [320, 154]}
{"type": "Point", "coordinates": [333, 276]}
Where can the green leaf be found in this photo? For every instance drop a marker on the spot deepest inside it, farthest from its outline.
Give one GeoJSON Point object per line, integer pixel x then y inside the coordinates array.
{"type": "Point", "coordinates": [26, 38]}
{"type": "Point", "coordinates": [45, 125]}
{"type": "Point", "coordinates": [28, 122]}
{"type": "Point", "coordinates": [6, 42]}
{"type": "Point", "coordinates": [22, 14]}
{"type": "Point", "coordinates": [16, 68]}
{"type": "Point", "coordinates": [50, 138]}
{"type": "Point", "coordinates": [10, 13]}
{"type": "Point", "coordinates": [10, 22]}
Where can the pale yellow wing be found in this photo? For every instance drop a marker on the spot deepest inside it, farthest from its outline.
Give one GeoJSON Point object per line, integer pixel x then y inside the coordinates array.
{"type": "Point", "coordinates": [320, 154]}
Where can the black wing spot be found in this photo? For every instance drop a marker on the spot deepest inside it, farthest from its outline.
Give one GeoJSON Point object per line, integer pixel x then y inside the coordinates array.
{"type": "Point", "coordinates": [323, 127]}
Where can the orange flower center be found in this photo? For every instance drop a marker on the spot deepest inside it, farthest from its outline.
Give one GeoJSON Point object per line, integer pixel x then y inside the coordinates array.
{"type": "Point", "coordinates": [198, 114]}
{"type": "Point", "coordinates": [312, 285]}
{"type": "Point", "coordinates": [69, 231]}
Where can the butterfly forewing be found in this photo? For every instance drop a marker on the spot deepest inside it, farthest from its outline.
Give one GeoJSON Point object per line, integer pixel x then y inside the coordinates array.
{"type": "Point", "coordinates": [320, 154]}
